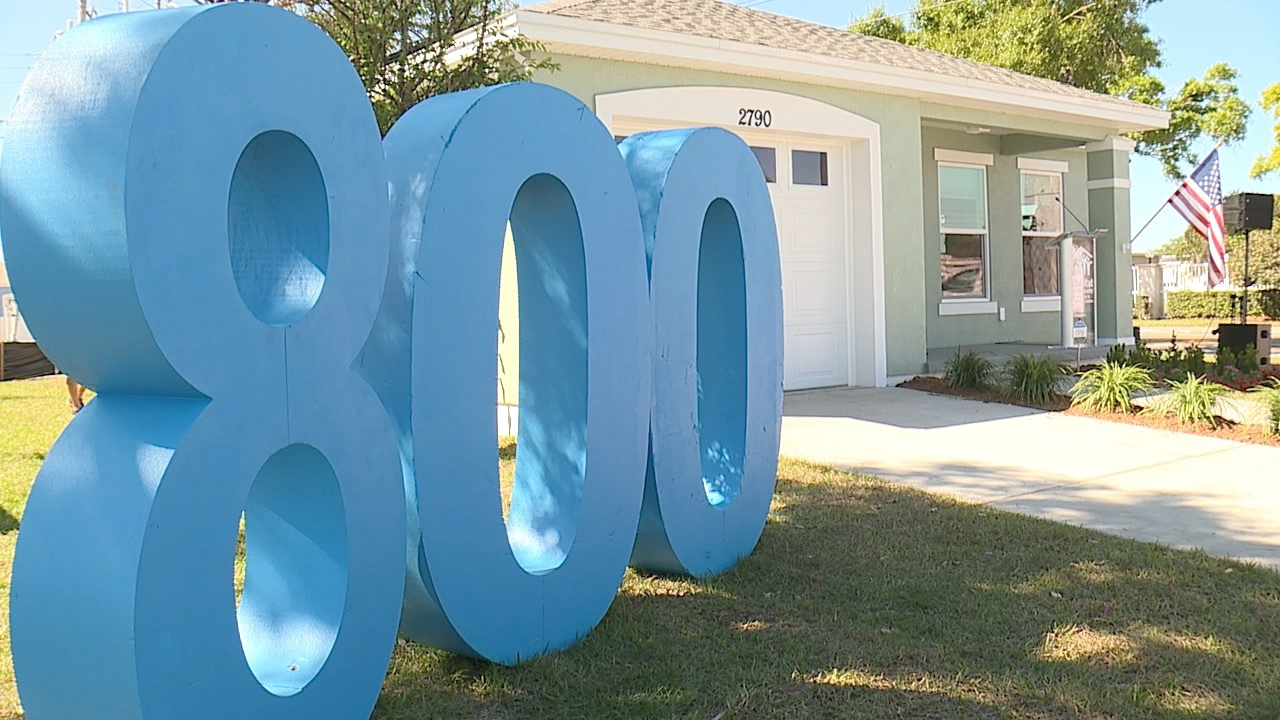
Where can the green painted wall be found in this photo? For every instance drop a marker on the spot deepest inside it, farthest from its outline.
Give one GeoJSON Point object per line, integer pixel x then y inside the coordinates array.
{"type": "Point", "coordinates": [1005, 244]}
{"type": "Point", "coordinates": [1110, 209]}
{"type": "Point", "coordinates": [899, 120]}
{"type": "Point", "coordinates": [911, 258]}
{"type": "Point", "coordinates": [1007, 121]}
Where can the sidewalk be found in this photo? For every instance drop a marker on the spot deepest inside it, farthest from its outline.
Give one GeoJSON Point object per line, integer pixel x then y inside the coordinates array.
{"type": "Point", "coordinates": [1177, 489]}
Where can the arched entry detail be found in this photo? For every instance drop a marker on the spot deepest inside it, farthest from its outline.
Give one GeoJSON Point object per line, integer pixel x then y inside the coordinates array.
{"type": "Point", "coordinates": [766, 114]}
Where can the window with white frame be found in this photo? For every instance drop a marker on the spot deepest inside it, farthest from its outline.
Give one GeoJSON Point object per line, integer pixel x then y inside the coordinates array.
{"type": "Point", "coordinates": [962, 205]}
{"type": "Point", "coordinates": [1041, 223]}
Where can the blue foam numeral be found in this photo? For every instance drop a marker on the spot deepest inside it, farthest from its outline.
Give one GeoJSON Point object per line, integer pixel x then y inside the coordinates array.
{"type": "Point", "coordinates": [194, 206]}
{"type": "Point", "coordinates": [195, 215]}
{"type": "Point", "coordinates": [716, 289]}
{"type": "Point", "coordinates": [461, 168]}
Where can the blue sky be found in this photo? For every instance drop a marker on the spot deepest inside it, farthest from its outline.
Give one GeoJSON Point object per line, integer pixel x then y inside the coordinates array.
{"type": "Point", "coordinates": [1239, 32]}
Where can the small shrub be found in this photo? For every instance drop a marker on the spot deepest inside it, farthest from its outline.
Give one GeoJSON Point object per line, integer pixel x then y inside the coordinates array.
{"type": "Point", "coordinates": [1269, 394]}
{"type": "Point", "coordinates": [1193, 359]}
{"type": "Point", "coordinates": [1191, 400]}
{"type": "Point", "coordinates": [1227, 358]}
{"type": "Point", "coordinates": [1220, 304]}
{"type": "Point", "coordinates": [969, 370]}
{"type": "Point", "coordinates": [1034, 379]}
{"type": "Point", "coordinates": [1117, 354]}
{"type": "Point", "coordinates": [1247, 360]}
{"type": "Point", "coordinates": [1140, 355]}
{"type": "Point", "coordinates": [1110, 387]}
{"type": "Point", "coordinates": [1141, 307]}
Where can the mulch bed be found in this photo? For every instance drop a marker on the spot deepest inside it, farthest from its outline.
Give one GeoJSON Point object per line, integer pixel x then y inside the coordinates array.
{"type": "Point", "coordinates": [1225, 429]}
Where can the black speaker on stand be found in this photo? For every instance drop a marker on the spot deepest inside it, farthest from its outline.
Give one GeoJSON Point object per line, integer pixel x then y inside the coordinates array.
{"type": "Point", "coordinates": [1247, 212]}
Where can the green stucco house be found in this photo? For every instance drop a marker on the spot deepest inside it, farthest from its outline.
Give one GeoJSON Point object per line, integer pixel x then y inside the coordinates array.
{"type": "Point", "coordinates": [922, 200]}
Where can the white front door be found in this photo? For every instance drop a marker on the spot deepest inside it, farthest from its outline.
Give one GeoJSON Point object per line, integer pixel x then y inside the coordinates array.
{"type": "Point", "coordinates": [809, 203]}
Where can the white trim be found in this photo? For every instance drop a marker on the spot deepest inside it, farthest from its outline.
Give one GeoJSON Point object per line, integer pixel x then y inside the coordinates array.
{"type": "Point", "coordinates": [864, 203]}
{"type": "Point", "coordinates": [1113, 143]}
{"type": "Point", "coordinates": [1130, 341]}
{"type": "Point", "coordinates": [1109, 184]}
{"type": "Point", "coordinates": [1041, 303]}
{"type": "Point", "coordinates": [985, 232]}
{"type": "Point", "coordinates": [968, 307]}
{"type": "Point", "coordinates": [1043, 165]}
{"type": "Point", "coordinates": [588, 38]}
{"type": "Point", "coordinates": [963, 157]}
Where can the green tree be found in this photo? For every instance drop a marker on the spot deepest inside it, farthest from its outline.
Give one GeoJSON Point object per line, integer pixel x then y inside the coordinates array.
{"type": "Point", "coordinates": [1264, 254]}
{"type": "Point", "coordinates": [1190, 246]}
{"type": "Point", "coordinates": [1093, 44]}
{"type": "Point", "coordinates": [1271, 161]}
{"type": "Point", "coordinates": [408, 50]}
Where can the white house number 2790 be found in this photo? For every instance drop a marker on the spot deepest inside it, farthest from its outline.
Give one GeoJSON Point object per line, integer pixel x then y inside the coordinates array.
{"type": "Point", "coordinates": [753, 117]}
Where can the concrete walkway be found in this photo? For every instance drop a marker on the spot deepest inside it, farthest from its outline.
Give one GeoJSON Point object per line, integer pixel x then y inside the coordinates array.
{"type": "Point", "coordinates": [1177, 489]}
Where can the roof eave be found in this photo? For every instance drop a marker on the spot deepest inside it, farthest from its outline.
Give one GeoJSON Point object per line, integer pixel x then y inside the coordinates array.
{"type": "Point", "coordinates": [574, 36]}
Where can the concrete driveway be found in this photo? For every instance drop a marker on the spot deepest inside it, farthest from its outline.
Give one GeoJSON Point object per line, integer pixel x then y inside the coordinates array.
{"type": "Point", "coordinates": [1180, 490]}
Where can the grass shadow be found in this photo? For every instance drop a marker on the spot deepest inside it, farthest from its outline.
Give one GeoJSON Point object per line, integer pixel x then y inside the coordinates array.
{"type": "Point", "coordinates": [867, 600]}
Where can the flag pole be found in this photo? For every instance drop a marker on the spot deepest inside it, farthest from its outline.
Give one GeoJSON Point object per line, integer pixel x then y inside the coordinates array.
{"type": "Point", "coordinates": [1165, 204]}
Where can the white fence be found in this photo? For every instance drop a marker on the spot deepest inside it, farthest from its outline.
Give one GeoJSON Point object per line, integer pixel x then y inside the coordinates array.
{"type": "Point", "coordinates": [1155, 280]}
{"type": "Point", "coordinates": [12, 328]}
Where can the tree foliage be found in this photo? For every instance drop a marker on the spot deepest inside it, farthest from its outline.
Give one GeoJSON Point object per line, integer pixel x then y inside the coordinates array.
{"type": "Point", "coordinates": [1190, 246]}
{"type": "Point", "coordinates": [1099, 45]}
{"type": "Point", "coordinates": [1271, 161]}
{"type": "Point", "coordinates": [409, 50]}
{"type": "Point", "coordinates": [1264, 252]}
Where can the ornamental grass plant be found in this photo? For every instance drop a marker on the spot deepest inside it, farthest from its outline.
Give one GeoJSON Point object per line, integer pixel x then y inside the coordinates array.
{"type": "Point", "coordinates": [1269, 395]}
{"type": "Point", "coordinates": [1111, 387]}
{"type": "Point", "coordinates": [969, 370]}
{"type": "Point", "coordinates": [1034, 379]}
{"type": "Point", "coordinates": [1192, 400]}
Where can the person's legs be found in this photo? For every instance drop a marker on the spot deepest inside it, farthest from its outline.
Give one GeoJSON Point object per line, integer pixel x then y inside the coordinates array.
{"type": "Point", "coordinates": [76, 392]}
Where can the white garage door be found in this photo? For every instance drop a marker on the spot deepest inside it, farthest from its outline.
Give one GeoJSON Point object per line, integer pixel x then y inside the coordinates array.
{"type": "Point", "coordinates": [806, 184]}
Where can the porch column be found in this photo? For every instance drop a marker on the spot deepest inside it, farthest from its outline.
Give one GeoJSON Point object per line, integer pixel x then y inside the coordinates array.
{"type": "Point", "coordinates": [1109, 208]}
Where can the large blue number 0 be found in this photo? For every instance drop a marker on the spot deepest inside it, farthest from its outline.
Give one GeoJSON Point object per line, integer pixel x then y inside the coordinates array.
{"type": "Point", "coordinates": [462, 166]}
{"type": "Point", "coordinates": [716, 288]}
{"type": "Point", "coordinates": [194, 209]}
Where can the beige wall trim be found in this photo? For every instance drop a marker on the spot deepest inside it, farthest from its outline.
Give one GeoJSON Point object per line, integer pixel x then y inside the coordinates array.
{"type": "Point", "coordinates": [1043, 165]}
{"type": "Point", "coordinates": [1110, 184]}
{"type": "Point", "coordinates": [963, 157]}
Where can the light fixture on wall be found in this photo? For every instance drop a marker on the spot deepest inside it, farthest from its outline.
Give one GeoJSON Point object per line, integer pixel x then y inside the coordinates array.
{"type": "Point", "coordinates": [977, 130]}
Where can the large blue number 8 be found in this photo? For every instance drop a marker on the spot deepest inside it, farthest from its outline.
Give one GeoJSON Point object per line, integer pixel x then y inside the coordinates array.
{"type": "Point", "coordinates": [213, 273]}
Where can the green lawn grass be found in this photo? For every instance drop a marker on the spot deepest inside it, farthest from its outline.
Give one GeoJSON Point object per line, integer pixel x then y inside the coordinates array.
{"type": "Point", "coordinates": [863, 600]}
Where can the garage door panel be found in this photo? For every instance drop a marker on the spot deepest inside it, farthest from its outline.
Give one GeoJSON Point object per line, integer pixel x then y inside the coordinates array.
{"type": "Point", "coordinates": [816, 356]}
{"type": "Point", "coordinates": [812, 245]}
{"type": "Point", "coordinates": [815, 229]}
{"type": "Point", "coordinates": [814, 294]}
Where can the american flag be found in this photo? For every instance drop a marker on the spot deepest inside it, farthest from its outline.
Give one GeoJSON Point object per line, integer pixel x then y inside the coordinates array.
{"type": "Point", "coordinates": [1199, 200]}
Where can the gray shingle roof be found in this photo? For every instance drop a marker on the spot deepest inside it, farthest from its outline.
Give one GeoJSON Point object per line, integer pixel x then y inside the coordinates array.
{"type": "Point", "coordinates": [723, 21]}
